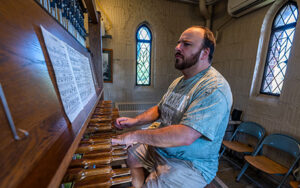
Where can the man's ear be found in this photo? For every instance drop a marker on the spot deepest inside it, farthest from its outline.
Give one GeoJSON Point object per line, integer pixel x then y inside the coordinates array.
{"type": "Point", "coordinates": [205, 54]}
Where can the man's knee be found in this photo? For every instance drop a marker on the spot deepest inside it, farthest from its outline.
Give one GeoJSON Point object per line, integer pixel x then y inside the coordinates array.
{"type": "Point", "coordinates": [133, 162]}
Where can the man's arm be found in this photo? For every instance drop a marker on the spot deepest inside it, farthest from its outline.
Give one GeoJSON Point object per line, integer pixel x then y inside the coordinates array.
{"type": "Point", "coordinates": [170, 136]}
{"type": "Point", "coordinates": [148, 116]}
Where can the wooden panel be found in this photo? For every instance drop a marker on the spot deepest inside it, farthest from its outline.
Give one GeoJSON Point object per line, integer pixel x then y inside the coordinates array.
{"type": "Point", "coordinates": [96, 49]}
{"type": "Point", "coordinates": [91, 7]}
{"type": "Point", "coordinates": [28, 81]}
{"type": "Point", "coordinates": [67, 141]}
{"type": "Point", "coordinates": [5, 133]}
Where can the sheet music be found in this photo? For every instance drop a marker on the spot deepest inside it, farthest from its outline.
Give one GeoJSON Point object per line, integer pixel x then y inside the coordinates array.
{"type": "Point", "coordinates": [89, 81]}
{"type": "Point", "coordinates": [63, 74]}
{"type": "Point", "coordinates": [83, 75]}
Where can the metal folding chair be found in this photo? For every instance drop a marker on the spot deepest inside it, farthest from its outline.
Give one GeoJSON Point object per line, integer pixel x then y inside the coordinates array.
{"type": "Point", "coordinates": [258, 160]}
{"type": "Point", "coordinates": [250, 128]}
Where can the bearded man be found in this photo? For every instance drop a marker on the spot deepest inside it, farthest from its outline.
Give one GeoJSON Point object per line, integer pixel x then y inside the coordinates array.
{"type": "Point", "coordinates": [194, 113]}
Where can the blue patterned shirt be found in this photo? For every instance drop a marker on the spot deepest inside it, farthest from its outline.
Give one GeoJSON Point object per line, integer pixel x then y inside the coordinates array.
{"type": "Point", "coordinates": [203, 103]}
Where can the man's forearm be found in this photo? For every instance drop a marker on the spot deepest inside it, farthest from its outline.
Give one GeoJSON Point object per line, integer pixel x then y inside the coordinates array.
{"type": "Point", "coordinates": [148, 116]}
{"type": "Point", "coordinates": [171, 136]}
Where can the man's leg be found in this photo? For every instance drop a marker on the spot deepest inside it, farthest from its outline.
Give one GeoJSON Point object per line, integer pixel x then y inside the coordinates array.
{"type": "Point", "coordinates": [175, 173]}
{"type": "Point", "coordinates": [140, 157]}
{"type": "Point", "coordinates": [137, 171]}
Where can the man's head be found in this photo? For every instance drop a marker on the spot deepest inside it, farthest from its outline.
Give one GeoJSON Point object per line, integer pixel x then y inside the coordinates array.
{"type": "Point", "coordinates": [195, 44]}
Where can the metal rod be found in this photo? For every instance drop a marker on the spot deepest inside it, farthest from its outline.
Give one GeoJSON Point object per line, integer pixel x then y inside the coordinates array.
{"type": "Point", "coordinates": [8, 115]}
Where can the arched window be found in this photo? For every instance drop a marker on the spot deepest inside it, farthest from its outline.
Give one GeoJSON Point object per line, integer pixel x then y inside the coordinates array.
{"type": "Point", "coordinates": [143, 56]}
{"type": "Point", "coordinates": [281, 40]}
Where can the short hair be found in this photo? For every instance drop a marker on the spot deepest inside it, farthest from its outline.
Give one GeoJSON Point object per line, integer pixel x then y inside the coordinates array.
{"type": "Point", "coordinates": [209, 40]}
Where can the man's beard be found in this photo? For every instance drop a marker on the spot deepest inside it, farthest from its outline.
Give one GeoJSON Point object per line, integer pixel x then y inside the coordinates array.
{"type": "Point", "coordinates": [185, 63]}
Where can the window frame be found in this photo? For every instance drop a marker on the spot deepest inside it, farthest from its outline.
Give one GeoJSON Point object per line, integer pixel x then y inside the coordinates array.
{"type": "Point", "coordinates": [273, 30]}
{"type": "Point", "coordinates": [150, 52]}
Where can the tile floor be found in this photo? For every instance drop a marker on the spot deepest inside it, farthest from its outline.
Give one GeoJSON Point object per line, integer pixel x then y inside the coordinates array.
{"type": "Point", "coordinates": [228, 172]}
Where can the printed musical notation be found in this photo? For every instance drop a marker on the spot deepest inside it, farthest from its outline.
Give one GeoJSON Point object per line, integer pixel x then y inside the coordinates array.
{"type": "Point", "coordinates": [83, 75]}
{"type": "Point", "coordinates": [72, 73]}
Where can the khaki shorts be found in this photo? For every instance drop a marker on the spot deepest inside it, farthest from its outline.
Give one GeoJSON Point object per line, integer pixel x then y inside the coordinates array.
{"type": "Point", "coordinates": [166, 172]}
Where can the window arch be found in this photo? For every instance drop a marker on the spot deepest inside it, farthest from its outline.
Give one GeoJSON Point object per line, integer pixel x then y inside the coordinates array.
{"type": "Point", "coordinates": [281, 40]}
{"type": "Point", "coordinates": [143, 55]}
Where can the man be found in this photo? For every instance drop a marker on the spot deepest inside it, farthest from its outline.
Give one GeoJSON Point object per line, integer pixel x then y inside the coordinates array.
{"type": "Point", "coordinates": [194, 114]}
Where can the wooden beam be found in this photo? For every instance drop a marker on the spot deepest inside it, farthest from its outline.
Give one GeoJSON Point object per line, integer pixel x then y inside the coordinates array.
{"type": "Point", "coordinates": [92, 11]}
{"type": "Point", "coordinates": [28, 81]}
{"type": "Point", "coordinates": [96, 49]}
{"type": "Point", "coordinates": [195, 2]}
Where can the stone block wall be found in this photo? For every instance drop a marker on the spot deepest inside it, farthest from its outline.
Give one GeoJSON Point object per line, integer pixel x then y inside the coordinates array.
{"type": "Point", "coordinates": [167, 20]}
{"type": "Point", "coordinates": [236, 58]}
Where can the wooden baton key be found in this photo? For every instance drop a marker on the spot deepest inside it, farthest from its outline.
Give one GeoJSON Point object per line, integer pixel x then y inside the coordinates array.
{"type": "Point", "coordinates": [103, 135]}
{"type": "Point", "coordinates": [77, 174]}
{"type": "Point", "coordinates": [96, 161]}
{"type": "Point", "coordinates": [95, 141]}
{"type": "Point", "coordinates": [96, 147]}
{"type": "Point", "coordinates": [101, 182]}
{"type": "Point", "coordinates": [93, 129]}
{"type": "Point", "coordinates": [102, 154]}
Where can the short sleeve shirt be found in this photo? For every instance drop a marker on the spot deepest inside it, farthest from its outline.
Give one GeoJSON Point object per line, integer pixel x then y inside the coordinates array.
{"type": "Point", "coordinates": [203, 103]}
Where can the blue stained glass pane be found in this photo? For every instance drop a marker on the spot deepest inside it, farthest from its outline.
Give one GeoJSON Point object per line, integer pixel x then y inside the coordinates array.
{"type": "Point", "coordinates": [287, 15]}
{"type": "Point", "coordinates": [143, 67]}
{"type": "Point", "coordinates": [143, 33]}
{"type": "Point", "coordinates": [279, 49]}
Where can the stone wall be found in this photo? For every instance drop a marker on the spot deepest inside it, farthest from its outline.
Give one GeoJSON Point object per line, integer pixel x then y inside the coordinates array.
{"type": "Point", "coordinates": [240, 59]}
{"type": "Point", "coordinates": [167, 20]}
{"type": "Point", "coordinates": [237, 56]}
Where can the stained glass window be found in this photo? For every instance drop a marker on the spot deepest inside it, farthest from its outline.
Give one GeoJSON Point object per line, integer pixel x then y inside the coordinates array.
{"type": "Point", "coordinates": [143, 56]}
{"type": "Point", "coordinates": [279, 50]}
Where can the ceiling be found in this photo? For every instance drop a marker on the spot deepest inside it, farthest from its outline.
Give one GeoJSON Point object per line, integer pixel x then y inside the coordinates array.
{"type": "Point", "coordinates": [208, 2]}
{"type": "Point", "coordinates": [188, 1]}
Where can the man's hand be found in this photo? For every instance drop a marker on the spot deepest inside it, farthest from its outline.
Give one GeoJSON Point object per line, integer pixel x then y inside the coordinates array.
{"type": "Point", "coordinates": [169, 136]}
{"type": "Point", "coordinates": [149, 116]}
{"type": "Point", "coordinates": [125, 122]}
{"type": "Point", "coordinates": [124, 139]}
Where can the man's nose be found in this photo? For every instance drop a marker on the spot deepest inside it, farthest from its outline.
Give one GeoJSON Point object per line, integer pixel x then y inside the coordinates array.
{"type": "Point", "coordinates": [178, 47]}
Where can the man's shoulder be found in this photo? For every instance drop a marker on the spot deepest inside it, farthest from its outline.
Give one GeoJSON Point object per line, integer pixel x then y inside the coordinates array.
{"type": "Point", "coordinates": [222, 83]}
{"type": "Point", "coordinates": [213, 81]}
{"type": "Point", "coordinates": [214, 73]}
